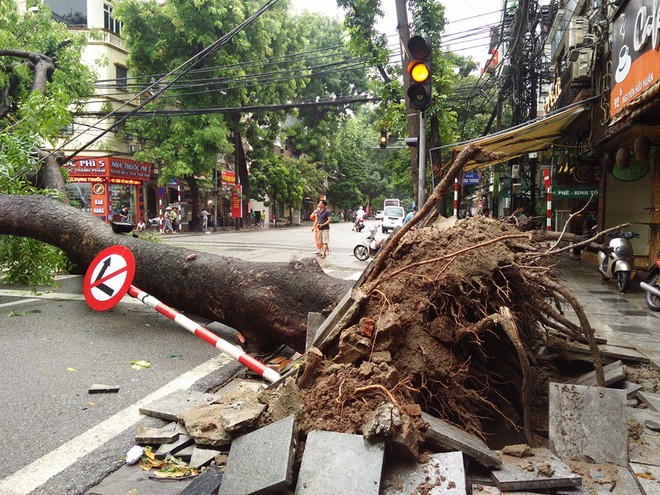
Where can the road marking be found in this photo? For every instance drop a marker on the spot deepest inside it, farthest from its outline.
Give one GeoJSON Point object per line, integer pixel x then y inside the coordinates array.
{"type": "Point", "coordinates": [60, 296]}
{"type": "Point", "coordinates": [14, 303]}
{"type": "Point", "coordinates": [40, 471]}
{"type": "Point", "coordinates": [355, 276]}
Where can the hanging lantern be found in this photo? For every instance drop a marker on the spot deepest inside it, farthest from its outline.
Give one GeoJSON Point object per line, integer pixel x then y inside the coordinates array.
{"type": "Point", "coordinates": [623, 158]}
{"type": "Point", "coordinates": [607, 161]}
{"type": "Point", "coordinates": [642, 148]}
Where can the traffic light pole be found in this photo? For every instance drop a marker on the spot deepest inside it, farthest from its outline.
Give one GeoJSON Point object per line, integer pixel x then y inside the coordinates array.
{"type": "Point", "coordinates": [421, 156]}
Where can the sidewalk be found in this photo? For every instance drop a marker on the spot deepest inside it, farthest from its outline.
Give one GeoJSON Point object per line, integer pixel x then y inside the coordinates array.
{"type": "Point", "coordinates": [623, 319]}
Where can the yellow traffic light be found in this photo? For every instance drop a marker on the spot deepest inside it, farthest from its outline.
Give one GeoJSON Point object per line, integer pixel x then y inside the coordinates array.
{"type": "Point", "coordinates": [419, 72]}
{"type": "Point", "coordinates": [420, 90]}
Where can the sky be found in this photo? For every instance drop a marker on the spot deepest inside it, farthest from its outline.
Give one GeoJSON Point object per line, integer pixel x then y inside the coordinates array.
{"type": "Point", "coordinates": [464, 32]}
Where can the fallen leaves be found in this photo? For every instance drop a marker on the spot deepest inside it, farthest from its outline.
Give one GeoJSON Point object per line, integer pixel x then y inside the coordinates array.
{"type": "Point", "coordinates": [140, 365]}
{"type": "Point", "coordinates": [169, 467]}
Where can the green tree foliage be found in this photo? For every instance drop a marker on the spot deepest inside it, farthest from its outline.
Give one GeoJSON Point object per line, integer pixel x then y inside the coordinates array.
{"type": "Point", "coordinates": [279, 178]}
{"type": "Point", "coordinates": [30, 118]}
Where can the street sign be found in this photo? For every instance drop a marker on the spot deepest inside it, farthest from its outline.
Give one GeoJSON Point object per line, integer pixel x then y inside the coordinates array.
{"type": "Point", "coordinates": [109, 277]}
{"type": "Point", "coordinates": [471, 178]}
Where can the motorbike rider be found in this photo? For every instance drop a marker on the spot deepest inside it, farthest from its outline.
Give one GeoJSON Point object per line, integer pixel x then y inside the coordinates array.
{"type": "Point", "coordinates": [359, 216]}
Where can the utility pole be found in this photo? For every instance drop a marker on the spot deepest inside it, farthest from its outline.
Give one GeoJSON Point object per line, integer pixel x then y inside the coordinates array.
{"type": "Point", "coordinates": [411, 122]}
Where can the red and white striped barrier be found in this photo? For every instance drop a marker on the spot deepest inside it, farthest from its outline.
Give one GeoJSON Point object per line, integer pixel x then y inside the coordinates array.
{"type": "Point", "coordinates": [199, 331]}
{"type": "Point", "coordinates": [547, 182]}
{"type": "Point", "coordinates": [455, 197]}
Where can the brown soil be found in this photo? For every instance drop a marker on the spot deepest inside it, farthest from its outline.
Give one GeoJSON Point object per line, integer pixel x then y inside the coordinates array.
{"type": "Point", "coordinates": [465, 321]}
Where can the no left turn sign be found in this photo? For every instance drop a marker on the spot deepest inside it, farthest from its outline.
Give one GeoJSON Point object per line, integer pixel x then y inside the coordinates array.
{"type": "Point", "coordinates": [109, 277]}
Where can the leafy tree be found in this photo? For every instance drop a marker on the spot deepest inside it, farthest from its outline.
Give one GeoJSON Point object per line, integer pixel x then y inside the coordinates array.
{"type": "Point", "coordinates": [41, 82]}
{"type": "Point", "coordinates": [278, 177]}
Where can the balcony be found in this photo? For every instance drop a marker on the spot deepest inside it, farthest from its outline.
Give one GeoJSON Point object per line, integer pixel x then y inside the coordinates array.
{"type": "Point", "coordinates": [112, 39]}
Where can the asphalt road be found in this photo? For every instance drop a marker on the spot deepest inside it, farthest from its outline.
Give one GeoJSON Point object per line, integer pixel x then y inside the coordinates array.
{"type": "Point", "coordinates": [55, 437]}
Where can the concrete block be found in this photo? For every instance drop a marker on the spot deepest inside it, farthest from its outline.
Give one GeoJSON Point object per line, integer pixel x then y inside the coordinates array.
{"type": "Point", "coordinates": [133, 479]}
{"type": "Point", "coordinates": [340, 463]}
{"type": "Point", "coordinates": [442, 474]}
{"type": "Point", "coordinates": [261, 461]}
{"type": "Point", "coordinates": [449, 437]}
{"type": "Point", "coordinates": [99, 388]}
{"type": "Point", "coordinates": [541, 471]}
{"type": "Point", "coordinates": [169, 407]}
{"type": "Point", "coordinates": [588, 424]}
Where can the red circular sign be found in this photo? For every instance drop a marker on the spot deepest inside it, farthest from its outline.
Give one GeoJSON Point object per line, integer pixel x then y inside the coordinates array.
{"type": "Point", "coordinates": [108, 277]}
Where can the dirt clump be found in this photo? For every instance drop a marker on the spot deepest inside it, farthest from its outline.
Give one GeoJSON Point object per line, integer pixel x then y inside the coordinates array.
{"type": "Point", "coordinates": [464, 322]}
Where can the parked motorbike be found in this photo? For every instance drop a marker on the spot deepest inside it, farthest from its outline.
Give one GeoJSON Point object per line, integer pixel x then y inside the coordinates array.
{"type": "Point", "coordinates": [368, 246]}
{"type": "Point", "coordinates": [618, 261]}
{"type": "Point", "coordinates": [652, 286]}
{"type": "Point", "coordinates": [359, 225]}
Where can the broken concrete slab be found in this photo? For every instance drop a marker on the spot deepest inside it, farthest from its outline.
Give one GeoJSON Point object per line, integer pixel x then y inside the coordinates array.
{"type": "Point", "coordinates": [218, 424]}
{"type": "Point", "coordinates": [206, 483]}
{"type": "Point", "coordinates": [630, 388]}
{"type": "Point", "coordinates": [645, 444]}
{"type": "Point", "coordinates": [588, 424]}
{"type": "Point", "coordinates": [314, 322]}
{"type": "Point", "coordinates": [613, 372]}
{"type": "Point", "coordinates": [100, 388]}
{"type": "Point", "coordinates": [442, 474]}
{"type": "Point", "coordinates": [449, 437]}
{"type": "Point", "coordinates": [133, 479]}
{"type": "Point", "coordinates": [611, 351]}
{"type": "Point", "coordinates": [169, 407]}
{"type": "Point", "coordinates": [173, 448]}
{"type": "Point", "coordinates": [479, 489]}
{"type": "Point", "coordinates": [340, 463]}
{"type": "Point", "coordinates": [333, 318]}
{"type": "Point", "coordinates": [603, 479]}
{"type": "Point", "coordinates": [155, 436]}
{"type": "Point", "coordinates": [261, 461]}
{"type": "Point", "coordinates": [202, 456]}
{"type": "Point", "coordinates": [543, 470]}
{"type": "Point", "coordinates": [239, 390]}
{"type": "Point", "coordinates": [648, 477]}
{"type": "Point", "coordinates": [652, 401]}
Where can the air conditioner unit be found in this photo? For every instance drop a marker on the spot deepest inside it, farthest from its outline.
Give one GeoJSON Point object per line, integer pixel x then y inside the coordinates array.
{"type": "Point", "coordinates": [581, 68]}
{"type": "Point", "coordinates": [128, 137]}
{"type": "Point", "coordinates": [515, 171]}
{"type": "Point", "coordinates": [577, 31]}
{"type": "Point", "coordinates": [133, 148]}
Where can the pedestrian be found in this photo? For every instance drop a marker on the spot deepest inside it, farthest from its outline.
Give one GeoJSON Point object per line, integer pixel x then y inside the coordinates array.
{"type": "Point", "coordinates": [167, 221]}
{"type": "Point", "coordinates": [315, 228]}
{"type": "Point", "coordinates": [486, 212]}
{"type": "Point", "coordinates": [205, 220]}
{"type": "Point", "coordinates": [257, 219]}
{"type": "Point", "coordinates": [410, 214]}
{"type": "Point", "coordinates": [323, 219]}
{"type": "Point", "coordinates": [577, 225]}
{"type": "Point", "coordinates": [263, 219]}
{"type": "Point", "coordinates": [174, 220]}
{"type": "Point", "coordinates": [141, 226]}
{"type": "Point", "coordinates": [123, 214]}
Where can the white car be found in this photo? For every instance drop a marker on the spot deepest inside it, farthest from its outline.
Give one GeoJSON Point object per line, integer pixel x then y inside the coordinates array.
{"type": "Point", "coordinates": [392, 218]}
{"type": "Point", "coordinates": [379, 215]}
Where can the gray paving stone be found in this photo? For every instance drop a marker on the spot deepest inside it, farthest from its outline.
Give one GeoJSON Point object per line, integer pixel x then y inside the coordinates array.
{"type": "Point", "coordinates": [335, 463]}
{"type": "Point", "coordinates": [529, 473]}
{"type": "Point", "coordinates": [261, 461]}
{"type": "Point", "coordinates": [588, 424]}
{"type": "Point", "coordinates": [206, 483]}
{"type": "Point", "coordinates": [202, 456]}
{"type": "Point", "coordinates": [613, 373]}
{"type": "Point", "coordinates": [99, 388]}
{"type": "Point", "coordinates": [171, 405]}
{"type": "Point", "coordinates": [603, 479]}
{"type": "Point", "coordinates": [645, 448]}
{"type": "Point", "coordinates": [155, 436]}
{"type": "Point", "coordinates": [648, 477]}
{"type": "Point", "coordinates": [442, 474]}
{"type": "Point", "coordinates": [314, 322]}
{"type": "Point", "coordinates": [651, 400]}
{"type": "Point", "coordinates": [449, 437]}
{"type": "Point", "coordinates": [133, 479]}
{"type": "Point", "coordinates": [173, 448]}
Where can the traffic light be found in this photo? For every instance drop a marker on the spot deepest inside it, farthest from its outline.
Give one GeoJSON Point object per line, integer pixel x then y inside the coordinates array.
{"type": "Point", "coordinates": [420, 68]}
{"type": "Point", "coordinates": [383, 139]}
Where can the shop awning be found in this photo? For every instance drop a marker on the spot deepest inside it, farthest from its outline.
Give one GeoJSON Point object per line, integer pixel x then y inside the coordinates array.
{"type": "Point", "coordinates": [531, 136]}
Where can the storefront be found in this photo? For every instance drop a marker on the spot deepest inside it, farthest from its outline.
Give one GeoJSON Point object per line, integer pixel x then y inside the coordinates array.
{"type": "Point", "coordinates": [105, 185]}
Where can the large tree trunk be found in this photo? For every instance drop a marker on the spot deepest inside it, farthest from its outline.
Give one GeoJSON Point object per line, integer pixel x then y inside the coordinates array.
{"type": "Point", "coordinates": [267, 302]}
